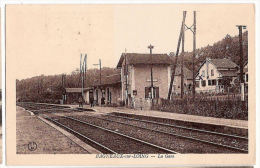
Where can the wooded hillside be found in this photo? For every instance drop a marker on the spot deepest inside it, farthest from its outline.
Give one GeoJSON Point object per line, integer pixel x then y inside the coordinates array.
{"type": "Point", "coordinates": [228, 47]}
{"type": "Point", "coordinates": [49, 88]}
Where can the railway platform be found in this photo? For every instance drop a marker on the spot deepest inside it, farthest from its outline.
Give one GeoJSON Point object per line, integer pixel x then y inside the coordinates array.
{"type": "Point", "coordinates": [34, 136]}
{"type": "Point", "coordinates": [175, 116]}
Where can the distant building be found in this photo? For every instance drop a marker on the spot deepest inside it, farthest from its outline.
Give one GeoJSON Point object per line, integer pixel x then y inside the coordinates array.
{"type": "Point", "coordinates": [136, 77]}
{"type": "Point", "coordinates": [187, 80]}
{"type": "Point", "coordinates": [109, 90]}
{"type": "Point", "coordinates": [72, 95]}
{"type": "Point", "coordinates": [215, 75]}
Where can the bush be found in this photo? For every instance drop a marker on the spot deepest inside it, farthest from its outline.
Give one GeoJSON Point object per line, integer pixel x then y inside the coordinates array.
{"type": "Point", "coordinates": [209, 107]}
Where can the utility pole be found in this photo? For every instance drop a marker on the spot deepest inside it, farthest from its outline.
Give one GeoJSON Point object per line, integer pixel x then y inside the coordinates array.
{"type": "Point", "coordinates": [152, 89]}
{"type": "Point", "coordinates": [194, 54]}
{"type": "Point", "coordinates": [126, 83]}
{"type": "Point", "coordinates": [152, 93]}
{"type": "Point", "coordinates": [182, 89]}
{"type": "Point", "coordinates": [242, 86]}
{"type": "Point", "coordinates": [100, 72]}
{"type": "Point", "coordinates": [99, 64]}
{"type": "Point", "coordinates": [83, 69]}
{"type": "Point", "coordinates": [177, 53]}
{"type": "Point", "coordinates": [63, 89]}
{"type": "Point", "coordinates": [100, 82]}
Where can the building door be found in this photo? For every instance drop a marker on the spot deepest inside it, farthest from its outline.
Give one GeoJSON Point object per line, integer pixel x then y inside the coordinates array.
{"type": "Point", "coordinates": [96, 96]}
{"type": "Point", "coordinates": [91, 96]}
{"type": "Point", "coordinates": [155, 92]}
{"type": "Point", "coordinates": [108, 96]}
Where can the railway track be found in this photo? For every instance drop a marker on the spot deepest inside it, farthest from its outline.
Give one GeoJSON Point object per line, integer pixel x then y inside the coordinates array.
{"type": "Point", "coordinates": [182, 136]}
{"type": "Point", "coordinates": [180, 127]}
{"type": "Point", "coordinates": [108, 141]}
{"type": "Point", "coordinates": [211, 137]}
{"type": "Point", "coordinates": [229, 142]}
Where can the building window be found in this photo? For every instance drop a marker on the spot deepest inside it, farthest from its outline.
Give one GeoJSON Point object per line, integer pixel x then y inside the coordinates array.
{"type": "Point", "coordinates": [197, 84]}
{"type": "Point", "coordinates": [209, 82]}
{"type": "Point", "coordinates": [246, 77]}
{"type": "Point", "coordinates": [148, 92]}
{"type": "Point", "coordinates": [203, 73]}
{"type": "Point", "coordinates": [203, 83]}
{"type": "Point", "coordinates": [220, 82]}
{"type": "Point", "coordinates": [212, 72]}
{"type": "Point", "coordinates": [214, 82]}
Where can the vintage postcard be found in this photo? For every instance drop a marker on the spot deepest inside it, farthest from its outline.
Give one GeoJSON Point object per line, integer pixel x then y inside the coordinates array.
{"type": "Point", "coordinates": [130, 84]}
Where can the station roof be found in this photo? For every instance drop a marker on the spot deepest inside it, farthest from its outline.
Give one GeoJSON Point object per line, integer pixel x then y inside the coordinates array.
{"type": "Point", "coordinates": [75, 90]}
{"type": "Point", "coordinates": [137, 58]}
{"type": "Point", "coordinates": [110, 80]}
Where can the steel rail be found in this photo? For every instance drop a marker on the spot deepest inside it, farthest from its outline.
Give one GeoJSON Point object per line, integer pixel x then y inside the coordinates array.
{"type": "Point", "coordinates": [123, 135]}
{"type": "Point", "coordinates": [42, 106]}
{"type": "Point", "coordinates": [65, 109]}
{"type": "Point", "coordinates": [182, 127]}
{"type": "Point", "coordinates": [89, 139]}
{"type": "Point", "coordinates": [182, 136]}
{"type": "Point", "coordinates": [170, 125]}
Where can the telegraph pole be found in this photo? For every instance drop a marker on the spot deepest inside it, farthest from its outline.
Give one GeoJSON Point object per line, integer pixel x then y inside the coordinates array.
{"type": "Point", "coordinates": [151, 47]}
{"type": "Point", "coordinates": [242, 89]}
{"type": "Point", "coordinates": [100, 72]}
{"type": "Point", "coordinates": [63, 89]}
{"type": "Point", "coordinates": [182, 89]}
{"type": "Point", "coordinates": [152, 90]}
{"type": "Point", "coordinates": [100, 82]}
{"type": "Point", "coordinates": [83, 69]}
{"type": "Point", "coordinates": [177, 53]}
{"type": "Point", "coordinates": [194, 54]}
{"type": "Point", "coordinates": [126, 84]}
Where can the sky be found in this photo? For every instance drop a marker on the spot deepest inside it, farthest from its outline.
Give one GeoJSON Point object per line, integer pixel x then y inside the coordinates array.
{"type": "Point", "coordinates": [48, 39]}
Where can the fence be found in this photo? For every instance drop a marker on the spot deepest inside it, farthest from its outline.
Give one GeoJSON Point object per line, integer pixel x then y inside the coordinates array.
{"type": "Point", "coordinates": [225, 106]}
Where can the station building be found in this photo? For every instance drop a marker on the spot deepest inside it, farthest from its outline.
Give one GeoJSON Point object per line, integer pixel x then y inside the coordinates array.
{"type": "Point", "coordinates": [71, 95]}
{"type": "Point", "coordinates": [109, 90]}
{"type": "Point", "coordinates": [136, 78]}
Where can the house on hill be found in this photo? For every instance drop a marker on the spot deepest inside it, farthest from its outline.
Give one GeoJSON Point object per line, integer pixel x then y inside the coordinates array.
{"type": "Point", "coordinates": [215, 75]}
{"type": "Point", "coordinates": [136, 77]}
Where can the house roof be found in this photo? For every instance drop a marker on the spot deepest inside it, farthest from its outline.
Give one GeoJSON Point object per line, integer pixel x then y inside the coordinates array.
{"type": "Point", "coordinates": [75, 90]}
{"type": "Point", "coordinates": [137, 58]}
{"type": "Point", "coordinates": [229, 73]}
{"type": "Point", "coordinates": [186, 72]}
{"type": "Point", "coordinates": [110, 80]}
{"type": "Point", "coordinates": [223, 63]}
